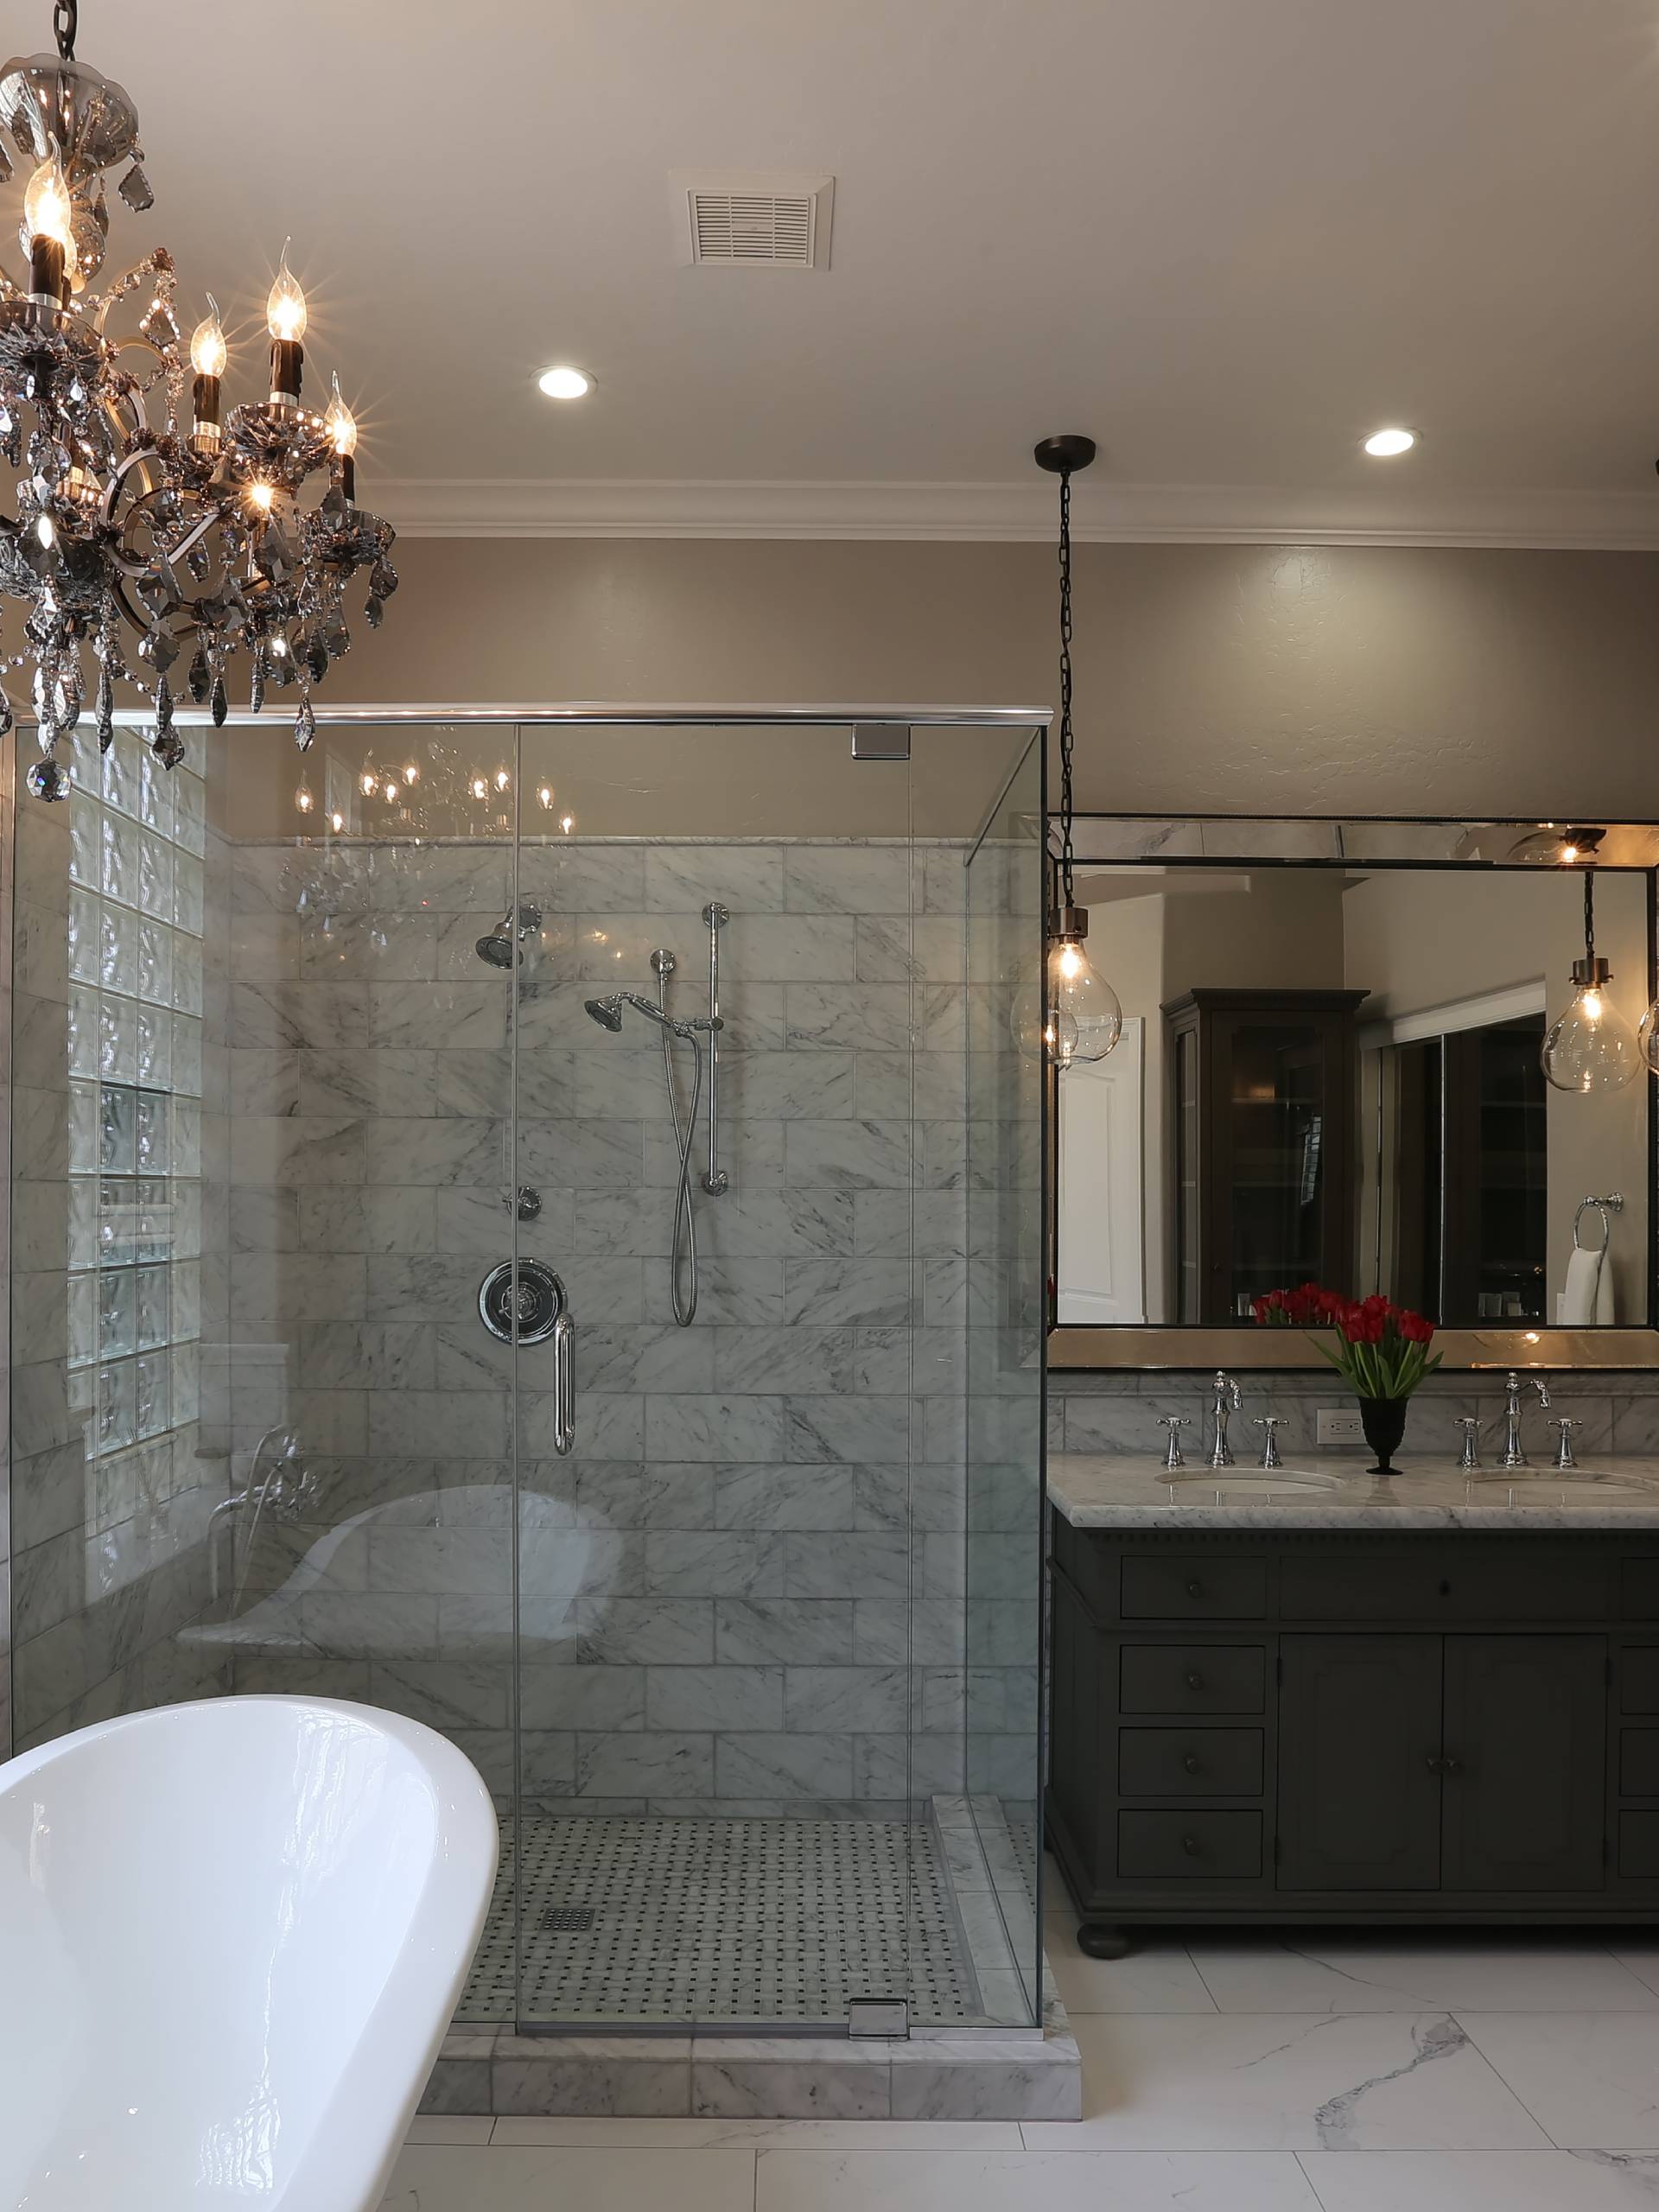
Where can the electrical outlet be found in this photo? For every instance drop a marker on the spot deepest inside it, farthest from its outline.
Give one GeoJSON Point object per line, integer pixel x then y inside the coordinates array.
{"type": "Point", "coordinates": [1337, 1424]}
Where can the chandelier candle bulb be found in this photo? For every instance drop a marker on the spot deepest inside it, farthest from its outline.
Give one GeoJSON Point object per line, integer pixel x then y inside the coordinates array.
{"type": "Point", "coordinates": [285, 319]}
{"type": "Point", "coordinates": [208, 355]}
{"type": "Point", "coordinates": [47, 216]}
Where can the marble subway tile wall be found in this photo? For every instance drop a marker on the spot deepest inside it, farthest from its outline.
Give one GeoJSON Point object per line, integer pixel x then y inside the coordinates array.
{"type": "Point", "coordinates": [746, 1589]}
{"type": "Point", "coordinates": [112, 1481]}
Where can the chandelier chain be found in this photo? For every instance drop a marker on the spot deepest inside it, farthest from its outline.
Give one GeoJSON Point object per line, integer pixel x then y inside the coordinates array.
{"type": "Point", "coordinates": [66, 17]}
{"type": "Point", "coordinates": [1067, 854]}
{"type": "Point", "coordinates": [1589, 914]}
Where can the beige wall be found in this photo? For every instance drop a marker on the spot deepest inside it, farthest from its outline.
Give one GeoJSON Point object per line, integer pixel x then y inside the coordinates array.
{"type": "Point", "coordinates": [1238, 679]}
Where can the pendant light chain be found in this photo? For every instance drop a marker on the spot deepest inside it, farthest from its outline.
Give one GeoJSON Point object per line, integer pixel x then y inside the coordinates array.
{"type": "Point", "coordinates": [66, 19]}
{"type": "Point", "coordinates": [1067, 855]}
{"type": "Point", "coordinates": [1589, 914]}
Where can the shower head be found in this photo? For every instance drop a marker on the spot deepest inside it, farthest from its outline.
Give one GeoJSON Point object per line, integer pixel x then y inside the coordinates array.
{"type": "Point", "coordinates": [498, 950]}
{"type": "Point", "coordinates": [608, 1012]}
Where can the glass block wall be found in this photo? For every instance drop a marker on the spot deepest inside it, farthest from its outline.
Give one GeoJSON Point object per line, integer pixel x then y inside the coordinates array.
{"type": "Point", "coordinates": [134, 959]}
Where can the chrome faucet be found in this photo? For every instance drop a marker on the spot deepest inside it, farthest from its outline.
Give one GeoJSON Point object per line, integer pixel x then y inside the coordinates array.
{"type": "Point", "coordinates": [1469, 1456]}
{"type": "Point", "coordinates": [1229, 1399]}
{"type": "Point", "coordinates": [1514, 1453]}
{"type": "Point", "coordinates": [1174, 1423]}
{"type": "Point", "coordinates": [1268, 1425]}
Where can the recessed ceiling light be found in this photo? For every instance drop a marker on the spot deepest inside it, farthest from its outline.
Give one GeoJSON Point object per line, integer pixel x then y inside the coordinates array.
{"type": "Point", "coordinates": [1385, 444]}
{"type": "Point", "coordinates": [562, 382]}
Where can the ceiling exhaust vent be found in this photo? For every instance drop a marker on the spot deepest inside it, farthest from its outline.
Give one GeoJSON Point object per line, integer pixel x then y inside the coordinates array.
{"type": "Point", "coordinates": [752, 219]}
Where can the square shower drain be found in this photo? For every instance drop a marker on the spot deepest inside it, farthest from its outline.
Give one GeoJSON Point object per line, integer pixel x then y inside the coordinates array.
{"type": "Point", "coordinates": [566, 1919]}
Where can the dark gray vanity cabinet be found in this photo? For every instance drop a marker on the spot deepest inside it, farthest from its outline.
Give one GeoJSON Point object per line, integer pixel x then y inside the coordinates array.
{"type": "Point", "coordinates": [1320, 1725]}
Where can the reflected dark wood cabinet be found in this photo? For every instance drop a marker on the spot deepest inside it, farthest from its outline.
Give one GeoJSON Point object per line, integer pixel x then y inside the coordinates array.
{"type": "Point", "coordinates": [1261, 1096]}
{"type": "Point", "coordinates": [1303, 1725]}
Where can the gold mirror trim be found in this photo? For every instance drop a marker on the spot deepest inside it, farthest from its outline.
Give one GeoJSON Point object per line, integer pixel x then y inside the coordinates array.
{"type": "Point", "coordinates": [1125, 1348]}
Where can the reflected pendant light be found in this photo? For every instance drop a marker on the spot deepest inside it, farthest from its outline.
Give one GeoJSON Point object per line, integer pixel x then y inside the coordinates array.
{"type": "Point", "coordinates": [1074, 1014]}
{"type": "Point", "coordinates": [1591, 1047]}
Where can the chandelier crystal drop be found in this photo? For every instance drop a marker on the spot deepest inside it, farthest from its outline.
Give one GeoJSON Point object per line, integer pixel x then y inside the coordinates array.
{"type": "Point", "coordinates": [154, 533]}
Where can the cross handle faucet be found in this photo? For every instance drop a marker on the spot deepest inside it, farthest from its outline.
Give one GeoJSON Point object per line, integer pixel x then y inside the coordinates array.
{"type": "Point", "coordinates": [1229, 1399]}
{"type": "Point", "coordinates": [1514, 1453]}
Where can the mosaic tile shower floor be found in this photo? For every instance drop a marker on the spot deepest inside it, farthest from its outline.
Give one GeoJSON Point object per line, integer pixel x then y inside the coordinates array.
{"type": "Point", "coordinates": [722, 1921]}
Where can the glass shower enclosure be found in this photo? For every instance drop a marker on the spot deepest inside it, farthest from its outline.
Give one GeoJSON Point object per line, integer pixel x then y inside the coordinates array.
{"type": "Point", "coordinates": [534, 1221]}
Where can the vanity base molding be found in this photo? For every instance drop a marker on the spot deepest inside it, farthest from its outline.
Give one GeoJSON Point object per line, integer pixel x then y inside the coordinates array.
{"type": "Point", "coordinates": [1256, 1727]}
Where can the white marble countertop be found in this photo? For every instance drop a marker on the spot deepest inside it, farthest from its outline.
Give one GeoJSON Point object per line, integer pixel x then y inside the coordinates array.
{"type": "Point", "coordinates": [1126, 1491]}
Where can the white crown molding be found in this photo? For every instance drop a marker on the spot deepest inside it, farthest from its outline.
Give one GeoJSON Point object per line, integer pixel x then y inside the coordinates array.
{"type": "Point", "coordinates": [1104, 513]}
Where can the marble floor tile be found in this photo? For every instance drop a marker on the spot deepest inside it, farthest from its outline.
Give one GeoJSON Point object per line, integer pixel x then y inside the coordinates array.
{"type": "Point", "coordinates": [996, 2181]}
{"type": "Point", "coordinates": [449, 2127]}
{"type": "Point", "coordinates": [1156, 1977]}
{"type": "Point", "coordinates": [1483, 2181]}
{"type": "Point", "coordinates": [1379, 1975]}
{"type": "Point", "coordinates": [1642, 1959]}
{"type": "Point", "coordinates": [765, 2134]}
{"type": "Point", "coordinates": [1278, 2083]}
{"type": "Point", "coordinates": [1590, 2079]}
{"type": "Point", "coordinates": [506, 2178]}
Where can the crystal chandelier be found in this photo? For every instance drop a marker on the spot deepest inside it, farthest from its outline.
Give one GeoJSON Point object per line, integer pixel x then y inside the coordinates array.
{"type": "Point", "coordinates": [150, 525]}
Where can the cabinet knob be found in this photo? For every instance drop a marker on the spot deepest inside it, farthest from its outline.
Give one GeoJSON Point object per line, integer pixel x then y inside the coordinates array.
{"type": "Point", "coordinates": [1445, 1589]}
{"type": "Point", "coordinates": [1451, 1766]}
{"type": "Point", "coordinates": [1434, 1762]}
{"type": "Point", "coordinates": [1190, 1845]}
{"type": "Point", "coordinates": [1194, 1679]}
{"type": "Point", "coordinates": [1193, 1763]}
{"type": "Point", "coordinates": [1195, 1588]}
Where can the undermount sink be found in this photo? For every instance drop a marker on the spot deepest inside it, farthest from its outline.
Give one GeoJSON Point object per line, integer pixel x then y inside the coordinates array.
{"type": "Point", "coordinates": [1240, 1481]}
{"type": "Point", "coordinates": [1568, 1478]}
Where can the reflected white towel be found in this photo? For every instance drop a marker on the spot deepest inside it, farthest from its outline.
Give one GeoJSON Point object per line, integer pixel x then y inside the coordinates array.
{"type": "Point", "coordinates": [1585, 1277]}
{"type": "Point", "coordinates": [1604, 1295]}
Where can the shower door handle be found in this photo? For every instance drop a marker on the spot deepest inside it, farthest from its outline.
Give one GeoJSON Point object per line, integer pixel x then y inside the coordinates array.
{"type": "Point", "coordinates": [564, 1384]}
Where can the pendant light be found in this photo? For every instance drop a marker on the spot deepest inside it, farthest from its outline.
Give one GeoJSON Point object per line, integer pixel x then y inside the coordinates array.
{"type": "Point", "coordinates": [1074, 1014]}
{"type": "Point", "coordinates": [1590, 1048]}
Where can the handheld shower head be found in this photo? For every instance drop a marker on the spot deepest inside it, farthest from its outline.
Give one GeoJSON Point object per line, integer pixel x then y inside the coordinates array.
{"type": "Point", "coordinates": [608, 1012]}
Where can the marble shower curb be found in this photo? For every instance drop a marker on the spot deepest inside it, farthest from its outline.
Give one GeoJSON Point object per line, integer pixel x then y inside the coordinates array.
{"type": "Point", "coordinates": [777, 2077]}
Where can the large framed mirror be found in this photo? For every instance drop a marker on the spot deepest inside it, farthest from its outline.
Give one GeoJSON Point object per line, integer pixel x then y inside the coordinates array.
{"type": "Point", "coordinates": [1339, 1062]}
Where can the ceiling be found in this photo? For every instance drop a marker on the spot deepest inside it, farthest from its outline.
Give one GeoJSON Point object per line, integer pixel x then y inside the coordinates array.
{"type": "Point", "coordinates": [1225, 239]}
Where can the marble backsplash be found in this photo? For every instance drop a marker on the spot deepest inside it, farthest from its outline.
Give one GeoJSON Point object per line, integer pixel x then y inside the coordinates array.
{"type": "Point", "coordinates": [1089, 1410]}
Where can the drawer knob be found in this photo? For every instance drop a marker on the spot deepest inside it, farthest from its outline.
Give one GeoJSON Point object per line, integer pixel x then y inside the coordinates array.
{"type": "Point", "coordinates": [1445, 1589]}
{"type": "Point", "coordinates": [1190, 1845]}
{"type": "Point", "coordinates": [1194, 1679]}
{"type": "Point", "coordinates": [1195, 1588]}
{"type": "Point", "coordinates": [1193, 1763]}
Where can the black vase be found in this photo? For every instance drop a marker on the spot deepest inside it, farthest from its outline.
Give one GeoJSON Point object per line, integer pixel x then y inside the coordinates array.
{"type": "Point", "coordinates": [1383, 1421]}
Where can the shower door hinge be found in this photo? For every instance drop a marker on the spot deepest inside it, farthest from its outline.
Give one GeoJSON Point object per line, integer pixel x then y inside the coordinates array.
{"type": "Point", "coordinates": [878, 2016]}
{"type": "Point", "coordinates": [879, 741]}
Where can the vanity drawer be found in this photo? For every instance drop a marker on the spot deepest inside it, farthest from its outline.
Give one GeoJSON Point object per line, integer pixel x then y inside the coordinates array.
{"type": "Point", "coordinates": [1639, 1846]}
{"type": "Point", "coordinates": [1189, 1847]}
{"type": "Point", "coordinates": [1370, 1583]}
{"type": "Point", "coordinates": [1638, 1763]}
{"type": "Point", "coordinates": [1190, 1763]}
{"type": "Point", "coordinates": [1639, 1679]}
{"type": "Point", "coordinates": [1192, 1678]}
{"type": "Point", "coordinates": [1194, 1588]}
{"type": "Point", "coordinates": [1638, 1589]}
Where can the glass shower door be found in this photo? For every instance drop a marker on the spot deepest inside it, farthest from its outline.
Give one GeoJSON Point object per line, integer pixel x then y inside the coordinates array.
{"type": "Point", "coordinates": [714, 1581]}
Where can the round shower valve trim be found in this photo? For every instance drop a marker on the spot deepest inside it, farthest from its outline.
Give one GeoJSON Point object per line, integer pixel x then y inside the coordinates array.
{"type": "Point", "coordinates": [521, 1302]}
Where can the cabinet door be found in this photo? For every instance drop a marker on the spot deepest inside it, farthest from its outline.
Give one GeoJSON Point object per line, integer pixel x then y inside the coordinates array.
{"type": "Point", "coordinates": [1359, 1743]}
{"type": "Point", "coordinates": [1526, 1753]}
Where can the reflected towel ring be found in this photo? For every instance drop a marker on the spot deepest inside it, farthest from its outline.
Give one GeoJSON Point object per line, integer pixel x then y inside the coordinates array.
{"type": "Point", "coordinates": [1614, 1203]}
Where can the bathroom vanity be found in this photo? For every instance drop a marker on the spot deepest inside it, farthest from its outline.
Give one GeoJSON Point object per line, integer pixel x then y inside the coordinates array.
{"type": "Point", "coordinates": [1321, 1697]}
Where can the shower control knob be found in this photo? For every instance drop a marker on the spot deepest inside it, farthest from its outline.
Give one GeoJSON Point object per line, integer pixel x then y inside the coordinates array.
{"type": "Point", "coordinates": [520, 1301]}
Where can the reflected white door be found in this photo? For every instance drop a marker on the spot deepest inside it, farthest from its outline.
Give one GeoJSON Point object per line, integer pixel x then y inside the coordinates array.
{"type": "Point", "coordinates": [1101, 1255]}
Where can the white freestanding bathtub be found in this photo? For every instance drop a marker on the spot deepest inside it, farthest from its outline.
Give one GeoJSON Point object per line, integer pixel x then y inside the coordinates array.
{"type": "Point", "coordinates": [232, 1937]}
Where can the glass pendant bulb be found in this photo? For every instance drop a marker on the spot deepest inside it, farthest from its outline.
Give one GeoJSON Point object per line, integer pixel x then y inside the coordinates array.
{"type": "Point", "coordinates": [1078, 990]}
{"type": "Point", "coordinates": [1647, 1036]}
{"type": "Point", "coordinates": [340, 424]}
{"type": "Point", "coordinates": [1591, 1047]}
{"type": "Point", "coordinates": [1040, 1030]}
{"type": "Point", "coordinates": [208, 352]}
{"type": "Point", "coordinates": [285, 316]}
{"type": "Point", "coordinates": [49, 212]}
